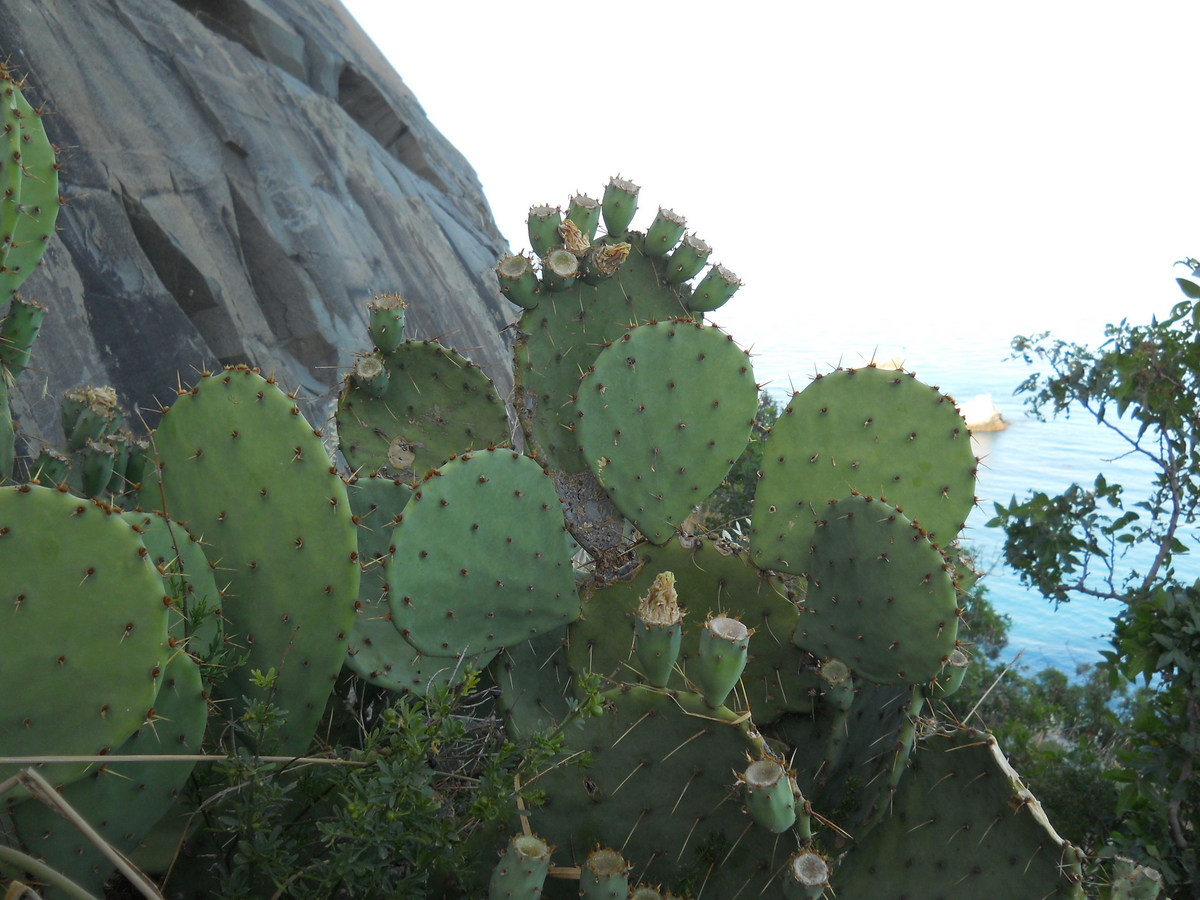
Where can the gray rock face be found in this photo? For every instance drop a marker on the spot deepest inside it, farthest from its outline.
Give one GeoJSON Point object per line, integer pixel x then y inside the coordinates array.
{"type": "Point", "coordinates": [241, 177]}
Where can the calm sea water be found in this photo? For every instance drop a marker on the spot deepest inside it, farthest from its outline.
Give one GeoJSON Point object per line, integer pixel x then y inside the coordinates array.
{"type": "Point", "coordinates": [1029, 455]}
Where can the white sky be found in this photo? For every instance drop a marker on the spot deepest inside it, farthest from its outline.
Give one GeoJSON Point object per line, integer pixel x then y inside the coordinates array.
{"type": "Point", "coordinates": [1012, 166]}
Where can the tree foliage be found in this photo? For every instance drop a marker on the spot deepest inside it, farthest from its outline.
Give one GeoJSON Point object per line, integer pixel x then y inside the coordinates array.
{"type": "Point", "coordinates": [1142, 383]}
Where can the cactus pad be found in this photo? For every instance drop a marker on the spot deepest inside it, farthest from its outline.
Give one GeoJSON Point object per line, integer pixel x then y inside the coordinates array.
{"type": "Point", "coordinates": [880, 597]}
{"type": "Point", "coordinates": [435, 404]}
{"type": "Point", "coordinates": [483, 558]}
{"type": "Point", "coordinates": [83, 627]}
{"type": "Point", "coordinates": [252, 479]}
{"type": "Point", "coordinates": [662, 416]}
{"type": "Point", "coordinates": [871, 430]}
{"type": "Point", "coordinates": [962, 825]}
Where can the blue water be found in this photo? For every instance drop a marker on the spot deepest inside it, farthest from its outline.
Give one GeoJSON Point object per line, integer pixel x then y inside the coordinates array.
{"type": "Point", "coordinates": [1029, 455]}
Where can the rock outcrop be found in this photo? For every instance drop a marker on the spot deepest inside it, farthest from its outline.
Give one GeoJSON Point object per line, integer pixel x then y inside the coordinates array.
{"type": "Point", "coordinates": [241, 176]}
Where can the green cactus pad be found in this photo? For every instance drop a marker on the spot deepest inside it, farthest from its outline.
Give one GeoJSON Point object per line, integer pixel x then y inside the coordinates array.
{"type": "Point", "coordinates": [435, 404]}
{"type": "Point", "coordinates": [253, 481]}
{"type": "Point", "coordinates": [561, 338]}
{"type": "Point", "coordinates": [871, 430]}
{"type": "Point", "coordinates": [483, 558]}
{"type": "Point", "coordinates": [83, 626]}
{"type": "Point", "coordinates": [18, 330]}
{"type": "Point", "coordinates": [662, 416]}
{"type": "Point", "coordinates": [710, 578]}
{"type": "Point", "coordinates": [28, 186]}
{"type": "Point", "coordinates": [659, 788]}
{"type": "Point", "coordinates": [962, 824]}
{"type": "Point", "coordinates": [123, 801]}
{"type": "Point", "coordinates": [880, 596]}
{"type": "Point", "coordinates": [376, 651]}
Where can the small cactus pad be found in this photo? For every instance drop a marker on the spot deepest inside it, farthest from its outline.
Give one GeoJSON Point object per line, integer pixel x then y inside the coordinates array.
{"type": "Point", "coordinates": [483, 558]}
{"type": "Point", "coordinates": [662, 416]}
{"type": "Point", "coordinates": [876, 431]}
{"type": "Point", "coordinates": [434, 404]}
{"type": "Point", "coordinates": [376, 650]}
{"type": "Point", "coordinates": [253, 481]}
{"type": "Point", "coordinates": [83, 628]}
{"type": "Point", "coordinates": [28, 186]}
{"type": "Point", "coordinates": [962, 824]}
{"type": "Point", "coordinates": [123, 801]}
{"type": "Point", "coordinates": [880, 596]}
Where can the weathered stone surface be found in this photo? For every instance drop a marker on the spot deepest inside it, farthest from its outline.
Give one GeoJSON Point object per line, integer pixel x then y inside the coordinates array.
{"type": "Point", "coordinates": [241, 177]}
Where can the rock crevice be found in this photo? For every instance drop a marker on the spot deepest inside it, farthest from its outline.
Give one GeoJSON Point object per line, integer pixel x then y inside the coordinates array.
{"type": "Point", "coordinates": [242, 177]}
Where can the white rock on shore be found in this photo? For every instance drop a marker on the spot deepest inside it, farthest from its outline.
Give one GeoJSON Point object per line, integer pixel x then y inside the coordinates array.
{"type": "Point", "coordinates": [981, 414]}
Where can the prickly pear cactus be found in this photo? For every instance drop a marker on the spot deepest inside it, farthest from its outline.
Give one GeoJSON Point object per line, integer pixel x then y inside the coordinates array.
{"type": "Point", "coordinates": [29, 205]}
{"type": "Point", "coordinates": [661, 416]}
{"type": "Point", "coordinates": [430, 404]}
{"type": "Point", "coordinates": [83, 627]}
{"type": "Point", "coordinates": [252, 479]}
{"type": "Point", "coordinates": [123, 801]}
{"type": "Point", "coordinates": [592, 288]}
{"type": "Point", "coordinates": [875, 431]}
{"type": "Point", "coordinates": [962, 824]}
{"type": "Point", "coordinates": [28, 186]}
{"type": "Point", "coordinates": [482, 558]}
{"type": "Point", "coordinates": [660, 783]}
{"type": "Point", "coordinates": [880, 597]}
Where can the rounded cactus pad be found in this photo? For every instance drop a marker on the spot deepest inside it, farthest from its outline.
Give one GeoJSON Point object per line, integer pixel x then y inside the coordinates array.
{"type": "Point", "coordinates": [482, 558]}
{"type": "Point", "coordinates": [433, 404]}
{"type": "Point", "coordinates": [880, 597]}
{"type": "Point", "coordinates": [872, 430]}
{"type": "Point", "coordinates": [83, 628]}
{"type": "Point", "coordinates": [662, 416]}
{"type": "Point", "coordinates": [29, 199]}
{"type": "Point", "coordinates": [961, 824]}
{"type": "Point", "coordinates": [123, 801]}
{"type": "Point", "coordinates": [253, 481]}
{"type": "Point", "coordinates": [376, 651]}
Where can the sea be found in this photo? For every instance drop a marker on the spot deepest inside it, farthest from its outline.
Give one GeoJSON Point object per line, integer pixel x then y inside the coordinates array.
{"type": "Point", "coordinates": [1029, 455]}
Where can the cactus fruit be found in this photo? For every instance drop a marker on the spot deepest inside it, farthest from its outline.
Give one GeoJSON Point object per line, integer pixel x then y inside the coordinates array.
{"type": "Point", "coordinates": [386, 321]}
{"type": "Point", "coordinates": [604, 876]}
{"type": "Point", "coordinates": [482, 559]}
{"type": "Point", "coordinates": [84, 625]}
{"type": "Point", "coordinates": [771, 794]}
{"type": "Point", "coordinates": [658, 630]}
{"type": "Point", "coordinates": [522, 869]}
{"type": "Point", "coordinates": [282, 530]}
{"type": "Point", "coordinates": [806, 876]}
{"type": "Point", "coordinates": [720, 658]}
{"type": "Point", "coordinates": [662, 415]}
